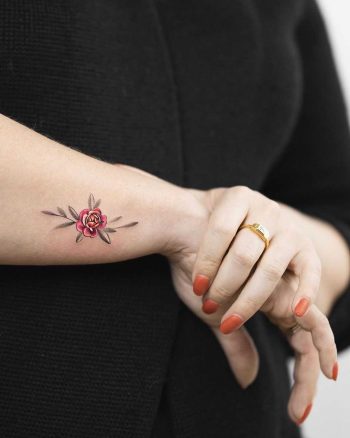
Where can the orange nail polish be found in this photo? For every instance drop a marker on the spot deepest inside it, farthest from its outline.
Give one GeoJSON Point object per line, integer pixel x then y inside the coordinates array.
{"type": "Point", "coordinates": [305, 414]}
{"type": "Point", "coordinates": [200, 284]}
{"type": "Point", "coordinates": [335, 371]}
{"type": "Point", "coordinates": [210, 306]}
{"type": "Point", "coordinates": [302, 307]}
{"type": "Point", "coordinates": [231, 323]}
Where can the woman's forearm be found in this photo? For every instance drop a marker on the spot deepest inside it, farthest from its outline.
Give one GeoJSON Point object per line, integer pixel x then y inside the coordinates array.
{"type": "Point", "coordinates": [333, 252]}
{"type": "Point", "coordinates": [38, 174]}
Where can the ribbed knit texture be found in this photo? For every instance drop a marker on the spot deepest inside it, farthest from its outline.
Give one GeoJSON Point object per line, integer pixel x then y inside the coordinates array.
{"type": "Point", "coordinates": [203, 94]}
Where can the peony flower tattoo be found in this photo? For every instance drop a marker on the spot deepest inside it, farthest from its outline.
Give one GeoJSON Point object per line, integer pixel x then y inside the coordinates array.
{"type": "Point", "coordinates": [90, 222]}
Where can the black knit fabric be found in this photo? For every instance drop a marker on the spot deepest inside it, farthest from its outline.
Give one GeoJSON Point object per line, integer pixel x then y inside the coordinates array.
{"type": "Point", "coordinates": [203, 94]}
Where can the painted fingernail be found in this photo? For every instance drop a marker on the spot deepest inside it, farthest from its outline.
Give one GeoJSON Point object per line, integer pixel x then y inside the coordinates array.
{"type": "Point", "coordinates": [335, 371]}
{"type": "Point", "coordinates": [200, 284]}
{"type": "Point", "coordinates": [231, 323]}
{"type": "Point", "coordinates": [305, 414]}
{"type": "Point", "coordinates": [302, 307]}
{"type": "Point", "coordinates": [210, 306]}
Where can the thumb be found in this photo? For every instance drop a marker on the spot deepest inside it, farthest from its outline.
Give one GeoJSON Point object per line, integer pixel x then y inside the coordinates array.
{"type": "Point", "coordinates": [241, 353]}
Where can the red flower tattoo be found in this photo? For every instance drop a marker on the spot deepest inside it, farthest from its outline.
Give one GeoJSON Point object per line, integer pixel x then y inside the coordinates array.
{"type": "Point", "coordinates": [90, 222]}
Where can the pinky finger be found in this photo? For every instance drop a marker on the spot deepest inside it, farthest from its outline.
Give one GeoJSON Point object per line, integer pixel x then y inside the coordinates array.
{"type": "Point", "coordinates": [322, 336]}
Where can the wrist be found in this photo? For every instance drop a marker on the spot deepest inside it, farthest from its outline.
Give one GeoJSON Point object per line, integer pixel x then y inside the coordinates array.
{"type": "Point", "coordinates": [176, 216]}
{"type": "Point", "coordinates": [189, 218]}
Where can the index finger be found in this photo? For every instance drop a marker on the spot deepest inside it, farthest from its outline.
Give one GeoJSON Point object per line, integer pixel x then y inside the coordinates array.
{"type": "Point", "coordinates": [222, 227]}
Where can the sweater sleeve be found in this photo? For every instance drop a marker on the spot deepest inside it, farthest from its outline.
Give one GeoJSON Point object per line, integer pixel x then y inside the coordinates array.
{"type": "Point", "coordinates": [313, 173]}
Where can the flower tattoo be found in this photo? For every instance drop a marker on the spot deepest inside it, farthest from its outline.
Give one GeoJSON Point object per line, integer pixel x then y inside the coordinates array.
{"type": "Point", "coordinates": [90, 222]}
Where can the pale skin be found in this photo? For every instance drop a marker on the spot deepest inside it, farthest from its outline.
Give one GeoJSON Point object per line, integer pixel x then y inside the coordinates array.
{"type": "Point", "coordinates": [197, 232]}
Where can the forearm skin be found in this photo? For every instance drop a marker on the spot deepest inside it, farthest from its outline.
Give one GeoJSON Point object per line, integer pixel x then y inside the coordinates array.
{"type": "Point", "coordinates": [38, 174]}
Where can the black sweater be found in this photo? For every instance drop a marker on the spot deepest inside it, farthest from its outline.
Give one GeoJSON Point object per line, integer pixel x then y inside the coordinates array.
{"type": "Point", "coordinates": [201, 93]}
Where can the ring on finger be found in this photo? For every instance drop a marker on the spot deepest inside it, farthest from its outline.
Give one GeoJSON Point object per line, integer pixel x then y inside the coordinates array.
{"type": "Point", "coordinates": [260, 231]}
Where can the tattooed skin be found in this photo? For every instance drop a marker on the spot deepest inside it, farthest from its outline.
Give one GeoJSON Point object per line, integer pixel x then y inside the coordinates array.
{"type": "Point", "coordinates": [90, 222]}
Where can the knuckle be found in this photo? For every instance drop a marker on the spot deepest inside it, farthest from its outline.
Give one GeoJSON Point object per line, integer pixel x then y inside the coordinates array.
{"type": "Point", "coordinates": [323, 323]}
{"type": "Point", "coordinates": [208, 263]}
{"type": "Point", "coordinates": [241, 190]}
{"type": "Point", "coordinates": [272, 271]}
{"type": "Point", "coordinates": [249, 305]}
{"type": "Point", "coordinates": [243, 257]}
{"type": "Point", "coordinates": [221, 229]}
{"type": "Point", "coordinates": [221, 293]}
{"type": "Point", "coordinates": [269, 304]}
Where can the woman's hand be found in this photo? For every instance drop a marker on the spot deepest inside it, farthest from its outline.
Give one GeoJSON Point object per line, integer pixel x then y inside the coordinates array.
{"type": "Point", "coordinates": [236, 278]}
{"type": "Point", "coordinates": [181, 250]}
{"type": "Point", "coordinates": [242, 278]}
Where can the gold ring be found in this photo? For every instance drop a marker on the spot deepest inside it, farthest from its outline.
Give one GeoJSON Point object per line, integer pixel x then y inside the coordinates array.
{"type": "Point", "coordinates": [260, 231]}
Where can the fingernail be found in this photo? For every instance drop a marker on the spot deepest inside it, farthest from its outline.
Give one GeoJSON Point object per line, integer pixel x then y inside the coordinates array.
{"type": "Point", "coordinates": [302, 307]}
{"type": "Point", "coordinates": [210, 306]}
{"type": "Point", "coordinates": [305, 414]}
{"type": "Point", "coordinates": [231, 323]}
{"type": "Point", "coordinates": [335, 371]}
{"type": "Point", "coordinates": [200, 284]}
